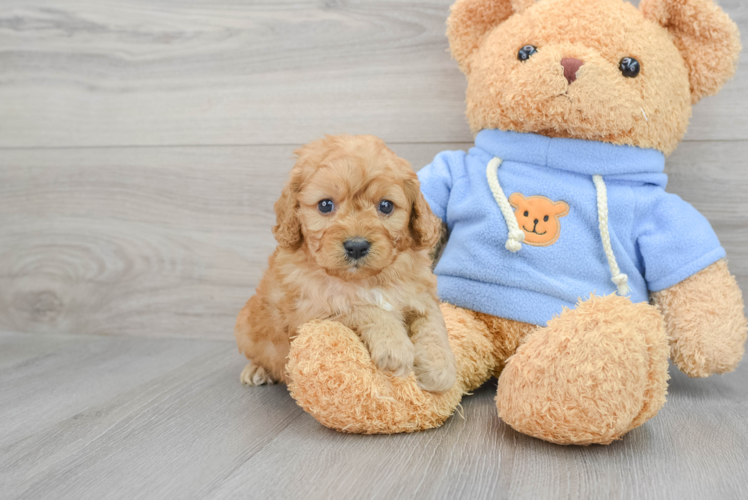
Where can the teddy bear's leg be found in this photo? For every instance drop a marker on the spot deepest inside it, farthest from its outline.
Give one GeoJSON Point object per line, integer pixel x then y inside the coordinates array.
{"type": "Point", "coordinates": [593, 374]}
{"type": "Point", "coordinates": [331, 375]}
{"type": "Point", "coordinates": [507, 335]}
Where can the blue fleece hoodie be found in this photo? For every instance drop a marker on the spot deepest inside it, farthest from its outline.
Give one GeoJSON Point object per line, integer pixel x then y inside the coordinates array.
{"type": "Point", "coordinates": [658, 240]}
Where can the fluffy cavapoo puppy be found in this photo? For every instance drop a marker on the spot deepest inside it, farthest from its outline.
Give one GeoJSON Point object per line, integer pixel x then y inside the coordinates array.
{"type": "Point", "coordinates": [353, 234]}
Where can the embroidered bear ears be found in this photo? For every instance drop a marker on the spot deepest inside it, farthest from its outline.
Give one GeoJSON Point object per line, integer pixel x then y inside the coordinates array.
{"type": "Point", "coordinates": [705, 36]}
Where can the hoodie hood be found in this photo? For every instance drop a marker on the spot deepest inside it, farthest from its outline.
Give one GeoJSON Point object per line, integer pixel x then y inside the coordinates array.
{"type": "Point", "coordinates": [614, 162]}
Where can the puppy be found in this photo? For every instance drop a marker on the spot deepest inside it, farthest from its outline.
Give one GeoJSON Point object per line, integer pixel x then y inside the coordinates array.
{"type": "Point", "coordinates": [353, 232]}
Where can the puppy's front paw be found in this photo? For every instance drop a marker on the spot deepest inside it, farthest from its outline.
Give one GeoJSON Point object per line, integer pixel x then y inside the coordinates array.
{"type": "Point", "coordinates": [253, 375]}
{"type": "Point", "coordinates": [436, 375]}
{"type": "Point", "coordinates": [394, 355]}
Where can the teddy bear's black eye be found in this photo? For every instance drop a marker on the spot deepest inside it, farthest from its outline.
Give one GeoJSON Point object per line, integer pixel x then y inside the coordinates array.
{"type": "Point", "coordinates": [386, 206]}
{"type": "Point", "coordinates": [325, 206]}
{"type": "Point", "coordinates": [545, 218]}
{"type": "Point", "coordinates": [526, 51]}
{"type": "Point", "coordinates": [527, 213]}
{"type": "Point", "coordinates": [630, 67]}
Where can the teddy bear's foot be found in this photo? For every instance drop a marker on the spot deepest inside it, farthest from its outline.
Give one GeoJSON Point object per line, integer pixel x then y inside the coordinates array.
{"type": "Point", "coordinates": [331, 375]}
{"type": "Point", "coordinates": [593, 374]}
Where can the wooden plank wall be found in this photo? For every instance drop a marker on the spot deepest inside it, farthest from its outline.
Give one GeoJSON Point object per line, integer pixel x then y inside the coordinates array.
{"type": "Point", "coordinates": [143, 143]}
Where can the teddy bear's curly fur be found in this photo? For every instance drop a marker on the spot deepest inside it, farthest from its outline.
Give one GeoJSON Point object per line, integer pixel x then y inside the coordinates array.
{"type": "Point", "coordinates": [600, 369]}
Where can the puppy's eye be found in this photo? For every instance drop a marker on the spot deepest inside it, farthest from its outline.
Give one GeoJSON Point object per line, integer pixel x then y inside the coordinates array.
{"type": "Point", "coordinates": [630, 67]}
{"type": "Point", "coordinates": [386, 206]}
{"type": "Point", "coordinates": [527, 214]}
{"type": "Point", "coordinates": [545, 218]}
{"type": "Point", "coordinates": [325, 206]}
{"type": "Point", "coordinates": [526, 51]}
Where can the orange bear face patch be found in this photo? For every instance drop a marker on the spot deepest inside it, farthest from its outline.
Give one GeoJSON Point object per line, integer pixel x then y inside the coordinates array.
{"type": "Point", "coordinates": [539, 217]}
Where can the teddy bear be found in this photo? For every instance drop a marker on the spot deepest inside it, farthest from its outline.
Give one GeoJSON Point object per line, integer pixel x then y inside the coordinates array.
{"type": "Point", "coordinates": [569, 272]}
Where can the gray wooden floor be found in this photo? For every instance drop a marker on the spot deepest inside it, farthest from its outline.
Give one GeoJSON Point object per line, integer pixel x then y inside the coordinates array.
{"type": "Point", "coordinates": [142, 144]}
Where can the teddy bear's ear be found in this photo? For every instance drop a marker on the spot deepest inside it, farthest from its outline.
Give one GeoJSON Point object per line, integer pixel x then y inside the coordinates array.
{"type": "Point", "coordinates": [471, 20]}
{"type": "Point", "coordinates": [706, 37]}
{"type": "Point", "coordinates": [561, 208]}
{"type": "Point", "coordinates": [516, 199]}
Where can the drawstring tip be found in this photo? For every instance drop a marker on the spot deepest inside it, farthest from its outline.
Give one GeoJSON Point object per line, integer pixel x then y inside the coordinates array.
{"type": "Point", "coordinates": [514, 243]}
{"type": "Point", "coordinates": [513, 246]}
{"type": "Point", "coordinates": [621, 281]}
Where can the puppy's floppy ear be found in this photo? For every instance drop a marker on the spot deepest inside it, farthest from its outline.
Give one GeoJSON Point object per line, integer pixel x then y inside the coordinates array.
{"type": "Point", "coordinates": [287, 230]}
{"type": "Point", "coordinates": [705, 36]}
{"type": "Point", "coordinates": [471, 20]}
{"type": "Point", "coordinates": [425, 227]}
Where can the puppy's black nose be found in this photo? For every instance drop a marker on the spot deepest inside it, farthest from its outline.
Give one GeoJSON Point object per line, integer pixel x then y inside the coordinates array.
{"type": "Point", "coordinates": [536, 221]}
{"type": "Point", "coordinates": [356, 248]}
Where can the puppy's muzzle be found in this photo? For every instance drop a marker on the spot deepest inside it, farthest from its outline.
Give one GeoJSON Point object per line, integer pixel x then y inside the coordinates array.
{"type": "Point", "coordinates": [356, 248]}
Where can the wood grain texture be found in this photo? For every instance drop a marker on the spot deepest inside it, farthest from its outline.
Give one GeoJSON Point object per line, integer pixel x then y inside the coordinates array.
{"type": "Point", "coordinates": [152, 72]}
{"type": "Point", "coordinates": [62, 378]}
{"type": "Point", "coordinates": [143, 241]}
{"type": "Point", "coordinates": [173, 241]}
{"type": "Point", "coordinates": [188, 429]}
{"type": "Point", "coordinates": [164, 435]}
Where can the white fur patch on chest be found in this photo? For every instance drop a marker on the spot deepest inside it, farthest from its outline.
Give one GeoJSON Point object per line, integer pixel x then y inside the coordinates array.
{"type": "Point", "coordinates": [332, 298]}
{"type": "Point", "coordinates": [377, 297]}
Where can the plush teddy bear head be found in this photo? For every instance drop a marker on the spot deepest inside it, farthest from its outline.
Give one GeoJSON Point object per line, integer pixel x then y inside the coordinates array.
{"type": "Point", "coordinates": [591, 69]}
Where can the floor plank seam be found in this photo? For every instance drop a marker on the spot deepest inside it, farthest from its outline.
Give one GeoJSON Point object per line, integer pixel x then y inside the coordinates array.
{"type": "Point", "coordinates": [216, 484]}
{"type": "Point", "coordinates": [227, 340]}
{"type": "Point", "coordinates": [161, 377]}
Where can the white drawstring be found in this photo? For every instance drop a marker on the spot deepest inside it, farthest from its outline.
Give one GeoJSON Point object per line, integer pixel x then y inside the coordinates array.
{"type": "Point", "coordinates": [620, 279]}
{"type": "Point", "coordinates": [516, 235]}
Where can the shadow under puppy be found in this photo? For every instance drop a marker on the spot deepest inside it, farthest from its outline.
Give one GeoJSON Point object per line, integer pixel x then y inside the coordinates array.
{"type": "Point", "coordinates": [353, 232]}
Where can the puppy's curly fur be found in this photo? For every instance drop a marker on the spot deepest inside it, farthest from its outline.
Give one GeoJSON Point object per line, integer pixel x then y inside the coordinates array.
{"type": "Point", "coordinates": [388, 296]}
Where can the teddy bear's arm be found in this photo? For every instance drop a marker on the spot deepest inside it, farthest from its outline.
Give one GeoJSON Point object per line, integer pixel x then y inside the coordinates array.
{"type": "Point", "coordinates": [705, 321]}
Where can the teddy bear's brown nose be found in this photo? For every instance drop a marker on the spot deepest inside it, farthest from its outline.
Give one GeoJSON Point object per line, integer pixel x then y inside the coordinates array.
{"type": "Point", "coordinates": [571, 66]}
